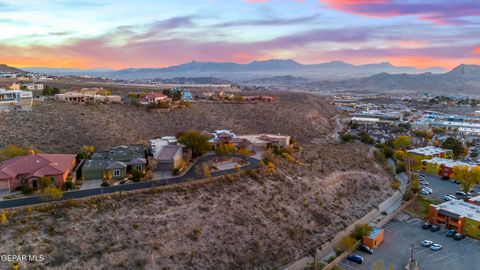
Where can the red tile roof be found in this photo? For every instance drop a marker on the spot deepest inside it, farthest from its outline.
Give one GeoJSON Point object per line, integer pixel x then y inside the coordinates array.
{"type": "Point", "coordinates": [38, 165]}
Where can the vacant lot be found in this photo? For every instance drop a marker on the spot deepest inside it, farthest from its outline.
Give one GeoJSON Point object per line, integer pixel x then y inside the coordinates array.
{"type": "Point", "coordinates": [263, 221]}
{"type": "Point", "coordinates": [61, 127]}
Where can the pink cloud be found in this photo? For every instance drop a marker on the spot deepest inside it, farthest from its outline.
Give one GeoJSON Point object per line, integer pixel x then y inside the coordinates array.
{"type": "Point", "coordinates": [447, 12]}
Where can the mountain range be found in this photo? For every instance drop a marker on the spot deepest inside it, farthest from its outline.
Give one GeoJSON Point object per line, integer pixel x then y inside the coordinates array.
{"type": "Point", "coordinates": [462, 79]}
{"type": "Point", "coordinates": [255, 69]}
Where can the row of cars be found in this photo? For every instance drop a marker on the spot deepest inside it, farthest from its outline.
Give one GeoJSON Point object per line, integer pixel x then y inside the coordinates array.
{"type": "Point", "coordinates": [426, 190]}
{"type": "Point", "coordinates": [435, 228]}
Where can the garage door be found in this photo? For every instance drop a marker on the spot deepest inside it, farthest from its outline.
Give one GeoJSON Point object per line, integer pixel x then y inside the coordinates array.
{"type": "Point", "coordinates": [165, 166]}
{"type": "Point", "coordinates": [4, 185]}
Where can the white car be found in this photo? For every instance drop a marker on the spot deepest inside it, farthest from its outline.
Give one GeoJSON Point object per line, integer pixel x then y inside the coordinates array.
{"type": "Point", "coordinates": [424, 192]}
{"type": "Point", "coordinates": [428, 189]}
{"type": "Point", "coordinates": [424, 183]}
{"type": "Point", "coordinates": [426, 243]}
{"type": "Point", "coordinates": [435, 247]}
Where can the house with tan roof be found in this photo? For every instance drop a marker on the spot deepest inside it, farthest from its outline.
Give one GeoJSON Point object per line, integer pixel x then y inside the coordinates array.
{"type": "Point", "coordinates": [27, 170]}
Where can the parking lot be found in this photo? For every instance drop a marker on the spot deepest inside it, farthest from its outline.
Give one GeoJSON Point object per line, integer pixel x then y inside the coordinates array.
{"type": "Point", "coordinates": [443, 187]}
{"type": "Point", "coordinates": [399, 236]}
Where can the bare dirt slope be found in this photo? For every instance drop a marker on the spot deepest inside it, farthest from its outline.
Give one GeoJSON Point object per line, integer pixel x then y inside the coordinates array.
{"type": "Point", "coordinates": [248, 222]}
{"type": "Point", "coordinates": [61, 127]}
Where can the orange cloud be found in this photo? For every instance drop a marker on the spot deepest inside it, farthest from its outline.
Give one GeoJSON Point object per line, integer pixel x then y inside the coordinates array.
{"type": "Point", "coordinates": [477, 50]}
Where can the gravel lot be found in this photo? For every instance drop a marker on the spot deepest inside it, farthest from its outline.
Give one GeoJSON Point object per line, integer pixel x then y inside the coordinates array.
{"type": "Point", "coordinates": [400, 234]}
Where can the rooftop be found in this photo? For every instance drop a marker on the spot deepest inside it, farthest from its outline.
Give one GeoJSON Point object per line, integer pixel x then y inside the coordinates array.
{"type": "Point", "coordinates": [37, 165]}
{"type": "Point", "coordinates": [447, 162]}
{"type": "Point", "coordinates": [374, 233]}
{"type": "Point", "coordinates": [168, 152]}
{"type": "Point", "coordinates": [429, 150]}
{"type": "Point", "coordinates": [460, 208]}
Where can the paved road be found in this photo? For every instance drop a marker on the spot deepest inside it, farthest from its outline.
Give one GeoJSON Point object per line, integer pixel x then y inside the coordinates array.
{"type": "Point", "coordinates": [192, 174]}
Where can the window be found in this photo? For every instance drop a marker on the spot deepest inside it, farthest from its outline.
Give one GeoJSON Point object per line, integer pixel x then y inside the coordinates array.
{"type": "Point", "coordinates": [116, 173]}
{"type": "Point", "coordinates": [138, 168]}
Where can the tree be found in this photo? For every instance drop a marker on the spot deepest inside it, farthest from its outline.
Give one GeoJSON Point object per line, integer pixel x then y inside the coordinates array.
{"type": "Point", "coordinates": [365, 138]}
{"type": "Point", "coordinates": [455, 145]}
{"type": "Point", "coordinates": [466, 177]}
{"type": "Point", "coordinates": [11, 151]}
{"type": "Point", "coordinates": [86, 151]}
{"type": "Point", "coordinates": [402, 142]}
{"type": "Point", "coordinates": [136, 175]}
{"type": "Point", "coordinates": [400, 155]}
{"type": "Point", "coordinates": [195, 141]}
{"type": "Point", "coordinates": [45, 182]}
{"type": "Point", "coordinates": [361, 230]}
{"type": "Point", "coordinates": [50, 91]}
{"type": "Point", "coordinates": [225, 149]}
{"type": "Point", "coordinates": [244, 153]}
{"type": "Point", "coordinates": [347, 243]}
{"type": "Point", "coordinates": [3, 218]}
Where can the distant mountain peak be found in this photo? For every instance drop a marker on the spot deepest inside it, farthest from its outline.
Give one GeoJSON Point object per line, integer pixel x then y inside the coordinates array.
{"type": "Point", "coordinates": [8, 69]}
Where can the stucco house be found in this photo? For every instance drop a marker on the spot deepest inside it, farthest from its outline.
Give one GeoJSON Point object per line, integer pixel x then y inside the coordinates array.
{"type": "Point", "coordinates": [169, 157]}
{"type": "Point", "coordinates": [116, 163]}
{"type": "Point", "coordinates": [27, 170]}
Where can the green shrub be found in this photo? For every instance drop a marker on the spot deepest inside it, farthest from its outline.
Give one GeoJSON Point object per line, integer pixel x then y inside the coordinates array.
{"type": "Point", "coordinates": [105, 184]}
{"type": "Point", "coordinates": [27, 190]}
{"type": "Point", "coordinates": [68, 185]}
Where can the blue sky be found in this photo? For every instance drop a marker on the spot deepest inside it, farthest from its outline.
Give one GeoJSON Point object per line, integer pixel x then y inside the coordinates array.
{"type": "Point", "coordinates": [120, 34]}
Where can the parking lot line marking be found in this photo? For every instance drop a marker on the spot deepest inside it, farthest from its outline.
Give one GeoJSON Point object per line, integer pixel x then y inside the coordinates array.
{"type": "Point", "coordinates": [445, 257]}
{"type": "Point", "coordinates": [346, 264]}
{"type": "Point", "coordinates": [414, 221]}
{"type": "Point", "coordinates": [455, 260]}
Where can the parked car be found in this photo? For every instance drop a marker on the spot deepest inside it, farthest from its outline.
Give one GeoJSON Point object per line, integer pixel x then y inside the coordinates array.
{"type": "Point", "coordinates": [426, 243]}
{"type": "Point", "coordinates": [444, 178]}
{"type": "Point", "coordinates": [435, 247]}
{"type": "Point", "coordinates": [458, 236]}
{"type": "Point", "coordinates": [355, 258]}
{"type": "Point", "coordinates": [460, 193]}
{"type": "Point", "coordinates": [455, 182]}
{"type": "Point", "coordinates": [426, 226]}
{"type": "Point", "coordinates": [365, 249]}
{"type": "Point", "coordinates": [451, 233]}
{"type": "Point", "coordinates": [424, 192]}
{"type": "Point", "coordinates": [447, 198]}
{"type": "Point", "coordinates": [428, 189]}
{"type": "Point", "coordinates": [435, 228]}
{"type": "Point", "coordinates": [453, 197]}
{"type": "Point", "coordinates": [424, 183]}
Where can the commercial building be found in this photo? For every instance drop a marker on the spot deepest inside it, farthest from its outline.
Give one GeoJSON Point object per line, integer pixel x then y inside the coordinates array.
{"type": "Point", "coordinates": [441, 166]}
{"type": "Point", "coordinates": [458, 215]}
{"type": "Point", "coordinates": [417, 155]}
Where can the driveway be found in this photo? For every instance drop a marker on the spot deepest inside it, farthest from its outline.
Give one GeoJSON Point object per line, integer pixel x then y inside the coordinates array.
{"type": "Point", "coordinates": [90, 184]}
{"type": "Point", "coordinates": [396, 247]}
{"type": "Point", "coordinates": [3, 192]}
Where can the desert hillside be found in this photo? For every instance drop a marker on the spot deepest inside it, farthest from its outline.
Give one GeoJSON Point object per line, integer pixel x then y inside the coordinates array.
{"type": "Point", "coordinates": [249, 221]}
{"type": "Point", "coordinates": [61, 127]}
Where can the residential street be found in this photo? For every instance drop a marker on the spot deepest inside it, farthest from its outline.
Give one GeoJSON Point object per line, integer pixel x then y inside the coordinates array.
{"type": "Point", "coordinates": [191, 175]}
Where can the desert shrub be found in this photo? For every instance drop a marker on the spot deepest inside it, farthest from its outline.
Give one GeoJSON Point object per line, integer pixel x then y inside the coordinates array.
{"type": "Point", "coordinates": [396, 185]}
{"type": "Point", "coordinates": [27, 190]}
{"type": "Point", "coordinates": [68, 185]}
{"type": "Point", "coordinates": [361, 230]}
{"type": "Point", "coordinates": [347, 137]}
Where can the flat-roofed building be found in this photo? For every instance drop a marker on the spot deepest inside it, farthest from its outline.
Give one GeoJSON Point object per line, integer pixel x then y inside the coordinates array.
{"type": "Point", "coordinates": [457, 215]}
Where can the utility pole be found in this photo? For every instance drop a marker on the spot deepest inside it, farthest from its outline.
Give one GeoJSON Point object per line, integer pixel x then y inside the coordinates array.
{"type": "Point", "coordinates": [412, 264]}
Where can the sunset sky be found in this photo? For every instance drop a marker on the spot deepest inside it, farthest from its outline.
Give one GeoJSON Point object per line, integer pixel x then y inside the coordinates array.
{"type": "Point", "coordinates": [146, 33]}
